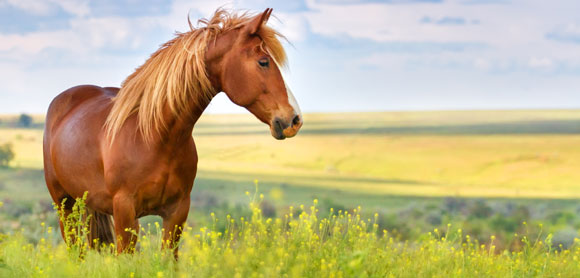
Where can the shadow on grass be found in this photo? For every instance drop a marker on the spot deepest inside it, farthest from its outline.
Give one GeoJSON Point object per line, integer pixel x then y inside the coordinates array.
{"type": "Point", "coordinates": [28, 184]}
{"type": "Point", "coordinates": [565, 126]}
{"type": "Point", "coordinates": [504, 128]}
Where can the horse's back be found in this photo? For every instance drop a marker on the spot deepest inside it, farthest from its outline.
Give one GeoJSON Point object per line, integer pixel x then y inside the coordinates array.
{"type": "Point", "coordinates": [72, 98]}
{"type": "Point", "coordinates": [71, 140]}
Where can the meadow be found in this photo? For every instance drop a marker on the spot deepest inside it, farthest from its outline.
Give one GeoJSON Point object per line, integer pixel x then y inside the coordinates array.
{"type": "Point", "coordinates": [297, 244]}
{"type": "Point", "coordinates": [507, 179]}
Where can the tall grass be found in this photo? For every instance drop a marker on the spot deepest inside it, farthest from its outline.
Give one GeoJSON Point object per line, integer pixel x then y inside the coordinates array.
{"type": "Point", "coordinates": [304, 242]}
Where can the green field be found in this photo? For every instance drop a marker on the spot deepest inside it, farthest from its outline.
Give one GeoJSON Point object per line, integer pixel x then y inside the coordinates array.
{"type": "Point", "coordinates": [301, 243]}
{"type": "Point", "coordinates": [485, 172]}
{"type": "Point", "coordinates": [462, 154]}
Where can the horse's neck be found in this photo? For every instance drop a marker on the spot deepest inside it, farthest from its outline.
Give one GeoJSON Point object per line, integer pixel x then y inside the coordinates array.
{"type": "Point", "coordinates": [183, 125]}
{"type": "Point", "coordinates": [180, 127]}
{"type": "Point", "coordinates": [214, 56]}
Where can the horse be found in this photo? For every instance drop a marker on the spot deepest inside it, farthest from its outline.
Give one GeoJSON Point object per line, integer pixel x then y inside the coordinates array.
{"type": "Point", "coordinates": [131, 148]}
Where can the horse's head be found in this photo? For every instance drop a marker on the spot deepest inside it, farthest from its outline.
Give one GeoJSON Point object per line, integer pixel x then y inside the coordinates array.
{"type": "Point", "coordinates": [251, 77]}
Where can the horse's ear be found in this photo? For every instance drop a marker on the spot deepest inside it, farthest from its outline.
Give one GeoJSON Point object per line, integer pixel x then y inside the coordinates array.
{"type": "Point", "coordinates": [254, 25]}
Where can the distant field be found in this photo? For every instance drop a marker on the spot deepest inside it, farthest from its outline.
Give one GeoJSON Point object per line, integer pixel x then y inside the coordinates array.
{"type": "Point", "coordinates": [532, 154]}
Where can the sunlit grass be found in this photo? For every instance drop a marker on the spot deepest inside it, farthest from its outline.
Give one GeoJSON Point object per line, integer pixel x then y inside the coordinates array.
{"type": "Point", "coordinates": [434, 154]}
{"type": "Point", "coordinates": [27, 146]}
{"type": "Point", "coordinates": [304, 242]}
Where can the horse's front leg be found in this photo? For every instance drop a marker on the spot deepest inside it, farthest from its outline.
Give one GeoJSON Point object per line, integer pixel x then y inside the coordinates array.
{"type": "Point", "coordinates": [173, 224]}
{"type": "Point", "coordinates": [126, 224]}
{"type": "Point", "coordinates": [65, 207]}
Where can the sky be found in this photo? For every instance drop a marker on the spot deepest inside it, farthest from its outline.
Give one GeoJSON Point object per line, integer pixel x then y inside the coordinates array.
{"type": "Point", "coordinates": [345, 55]}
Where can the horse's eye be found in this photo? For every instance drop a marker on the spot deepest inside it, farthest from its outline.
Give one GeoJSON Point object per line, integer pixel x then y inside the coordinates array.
{"type": "Point", "coordinates": [264, 62]}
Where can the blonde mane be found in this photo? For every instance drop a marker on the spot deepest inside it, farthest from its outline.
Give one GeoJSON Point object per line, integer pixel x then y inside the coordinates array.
{"type": "Point", "coordinates": [175, 76]}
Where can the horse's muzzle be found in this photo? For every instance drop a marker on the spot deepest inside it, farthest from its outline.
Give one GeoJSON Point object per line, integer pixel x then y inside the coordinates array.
{"type": "Point", "coordinates": [282, 129]}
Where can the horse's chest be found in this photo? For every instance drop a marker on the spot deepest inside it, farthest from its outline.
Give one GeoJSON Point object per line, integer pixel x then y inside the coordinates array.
{"type": "Point", "coordinates": [156, 181]}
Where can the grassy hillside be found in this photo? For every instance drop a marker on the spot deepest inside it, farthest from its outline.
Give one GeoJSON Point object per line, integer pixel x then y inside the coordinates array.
{"type": "Point", "coordinates": [461, 153]}
{"type": "Point", "coordinates": [506, 181]}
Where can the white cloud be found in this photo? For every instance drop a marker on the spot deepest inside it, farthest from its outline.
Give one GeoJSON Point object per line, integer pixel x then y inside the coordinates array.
{"type": "Point", "coordinates": [293, 26]}
{"type": "Point", "coordinates": [513, 32]}
{"type": "Point", "coordinates": [566, 33]}
{"type": "Point", "coordinates": [74, 7]}
{"type": "Point", "coordinates": [82, 44]}
{"type": "Point", "coordinates": [112, 32]}
{"type": "Point", "coordinates": [48, 7]}
{"type": "Point", "coordinates": [481, 64]}
{"type": "Point", "coordinates": [513, 35]}
{"type": "Point", "coordinates": [31, 6]}
{"type": "Point", "coordinates": [86, 36]}
{"type": "Point", "coordinates": [540, 63]}
{"type": "Point", "coordinates": [88, 33]}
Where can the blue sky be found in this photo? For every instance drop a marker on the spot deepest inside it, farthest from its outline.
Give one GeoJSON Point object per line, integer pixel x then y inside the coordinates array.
{"type": "Point", "coordinates": [347, 55]}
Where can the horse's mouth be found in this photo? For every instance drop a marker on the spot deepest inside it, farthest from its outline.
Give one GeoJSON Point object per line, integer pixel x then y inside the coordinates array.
{"type": "Point", "coordinates": [281, 129]}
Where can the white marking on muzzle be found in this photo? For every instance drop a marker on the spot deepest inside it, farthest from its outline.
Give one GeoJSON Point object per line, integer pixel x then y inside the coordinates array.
{"type": "Point", "coordinates": [293, 102]}
{"type": "Point", "coordinates": [291, 98]}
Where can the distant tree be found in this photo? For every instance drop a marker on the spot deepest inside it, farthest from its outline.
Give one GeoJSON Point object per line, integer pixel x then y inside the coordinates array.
{"type": "Point", "coordinates": [24, 120]}
{"type": "Point", "coordinates": [6, 154]}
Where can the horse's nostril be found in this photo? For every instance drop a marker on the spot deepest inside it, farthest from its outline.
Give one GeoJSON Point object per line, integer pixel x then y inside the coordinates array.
{"type": "Point", "coordinates": [278, 124]}
{"type": "Point", "coordinates": [296, 120]}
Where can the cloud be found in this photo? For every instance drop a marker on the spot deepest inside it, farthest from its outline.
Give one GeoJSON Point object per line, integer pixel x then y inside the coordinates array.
{"type": "Point", "coordinates": [386, 45]}
{"type": "Point", "coordinates": [84, 36]}
{"type": "Point", "coordinates": [447, 20]}
{"type": "Point", "coordinates": [129, 8]}
{"type": "Point", "coordinates": [74, 7]}
{"type": "Point", "coordinates": [566, 33]}
{"type": "Point", "coordinates": [31, 6]}
{"type": "Point", "coordinates": [385, 22]}
{"type": "Point", "coordinates": [26, 16]}
{"type": "Point", "coordinates": [48, 7]}
{"type": "Point", "coordinates": [293, 26]}
{"type": "Point", "coordinates": [482, 64]}
{"type": "Point", "coordinates": [484, 2]}
{"type": "Point", "coordinates": [278, 6]}
{"type": "Point", "coordinates": [513, 32]}
{"type": "Point", "coordinates": [16, 21]}
{"type": "Point", "coordinates": [346, 2]}
{"type": "Point", "coordinates": [540, 63]}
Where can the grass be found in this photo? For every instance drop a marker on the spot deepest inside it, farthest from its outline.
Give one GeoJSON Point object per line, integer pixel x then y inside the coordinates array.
{"type": "Point", "coordinates": [418, 170]}
{"type": "Point", "coordinates": [515, 154]}
{"type": "Point", "coordinates": [302, 243]}
{"type": "Point", "coordinates": [482, 153]}
{"type": "Point", "coordinates": [27, 146]}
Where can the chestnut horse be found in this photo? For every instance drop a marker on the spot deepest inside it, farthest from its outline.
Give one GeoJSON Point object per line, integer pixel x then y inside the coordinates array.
{"type": "Point", "coordinates": [131, 148]}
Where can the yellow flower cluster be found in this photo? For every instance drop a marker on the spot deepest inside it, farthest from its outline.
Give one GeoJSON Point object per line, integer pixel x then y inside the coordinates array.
{"type": "Point", "coordinates": [304, 242]}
